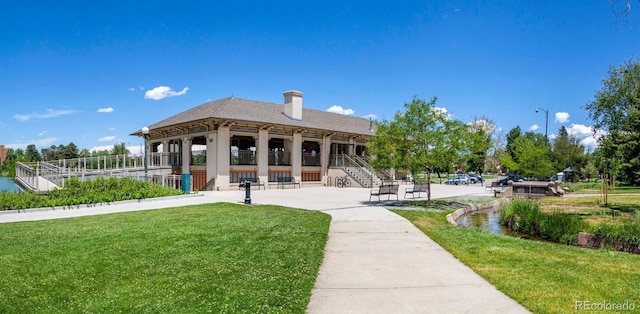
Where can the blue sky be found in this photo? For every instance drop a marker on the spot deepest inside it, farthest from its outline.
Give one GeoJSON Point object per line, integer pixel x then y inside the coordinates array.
{"type": "Point", "coordinates": [93, 72]}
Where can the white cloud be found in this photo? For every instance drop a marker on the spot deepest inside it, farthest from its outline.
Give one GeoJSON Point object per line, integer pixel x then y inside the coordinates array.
{"type": "Point", "coordinates": [112, 129]}
{"type": "Point", "coordinates": [101, 148]}
{"type": "Point", "coordinates": [106, 138]}
{"type": "Point", "coordinates": [161, 92]}
{"type": "Point", "coordinates": [534, 127]}
{"type": "Point", "coordinates": [339, 110]}
{"type": "Point", "coordinates": [370, 116]}
{"type": "Point", "coordinates": [579, 130]}
{"type": "Point", "coordinates": [589, 142]}
{"type": "Point", "coordinates": [131, 89]}
{"type": "Point", "coordinates": [443, 111]}
{"type": "Point", "coordinates": [553, 136]}
{"type": "Point", "coordinates": [562, 117]}
{"type": "Point", "coordinates": [42, 133]}
{"type": "Point", "coordinates": [49, 114]}
{"type": "Point", "coordinates": [105, 110]}
{"type": "Point", "coordinates": [585, 134]}
{"type": "Point", "coordinates": [44, 142]}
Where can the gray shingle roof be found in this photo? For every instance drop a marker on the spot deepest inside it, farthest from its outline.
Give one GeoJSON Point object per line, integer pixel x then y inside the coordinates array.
{"type": "Point", "coordinates": [239, 109]}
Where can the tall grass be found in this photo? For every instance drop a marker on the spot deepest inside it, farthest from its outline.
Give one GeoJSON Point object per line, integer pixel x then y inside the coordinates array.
{"type": "Point", "coordinates": [624, 237]}
{"type": "Point", "coordinates": [524, 216]}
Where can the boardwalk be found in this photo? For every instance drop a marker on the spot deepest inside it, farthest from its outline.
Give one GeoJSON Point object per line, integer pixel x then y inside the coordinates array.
{"type": "Point", "coordinates": [44, 176]}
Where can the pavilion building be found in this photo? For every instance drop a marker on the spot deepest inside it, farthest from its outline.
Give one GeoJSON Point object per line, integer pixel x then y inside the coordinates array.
{"type": "Point", "coordinates": [241, 138]}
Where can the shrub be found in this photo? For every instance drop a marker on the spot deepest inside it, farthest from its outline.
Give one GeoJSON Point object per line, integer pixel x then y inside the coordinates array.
{"type": "Point", "coordinates": [524, 216]}
{"type": "Point", "coordinates": [76, 192]}
{"type": "Point", "coordinates": [625, 237]}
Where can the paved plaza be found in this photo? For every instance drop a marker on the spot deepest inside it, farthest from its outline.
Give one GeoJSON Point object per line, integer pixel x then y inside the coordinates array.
{"type": "Point", "coordinates": [375, 261]}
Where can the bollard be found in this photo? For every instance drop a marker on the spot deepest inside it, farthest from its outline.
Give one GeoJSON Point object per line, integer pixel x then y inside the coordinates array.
{"type": "Point", "coordinates": [247, 192]}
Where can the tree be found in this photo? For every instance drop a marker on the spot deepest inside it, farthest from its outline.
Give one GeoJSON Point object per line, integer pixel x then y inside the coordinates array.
{"type": "Point", "coordinates": [13, 156]}
{"type": "Point", "coordinates": [84, 153]}
{"type": "Point", "coordinates": [567, 152]}
{"type": "Point", "coordinates": [496, 150]}
{"type": "Point", "coordinates": [616, 111]}
{"type": "Point", "coordinates": [530, 156]}
{"type": "Point", "coordinates": [422, 138]}
{"type": "Point", "coordinates": [67, 152]}
{"type": "Point", "coordinates": [480, 130]}
{"type": "Point", "coordinates": [49, 153]}
{"type": "Point", "coordinates": [589, 171]}
{"type": "Point", "coordinates": [120, 149]}
{"type": "Point", "coordinates": [622, 9]}
{"type": "Point", "coordinates": [32, 153]}
{"type": "Point", "coordinates": [511, 138]}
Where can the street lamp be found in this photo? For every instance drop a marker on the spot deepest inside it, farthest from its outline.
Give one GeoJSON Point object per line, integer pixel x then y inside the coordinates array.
{"type": "Point", "coordinates": [546, 122]}
{"type": "Point", "coordinates": [145, 134]}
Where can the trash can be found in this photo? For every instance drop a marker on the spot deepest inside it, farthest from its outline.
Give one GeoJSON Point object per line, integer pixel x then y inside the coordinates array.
{"type": "Point", "coordinates": [186, 183]}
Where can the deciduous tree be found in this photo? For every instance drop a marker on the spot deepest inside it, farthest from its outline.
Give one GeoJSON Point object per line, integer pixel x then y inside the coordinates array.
{"type": "Point", "coordinates": [422, 138]}
{"type": "Point", "coordinates": [481, 131]}
{"type": "Point", "coordinates": [529, 156]}
{"type": "Point", "coordinates": [616, 110]}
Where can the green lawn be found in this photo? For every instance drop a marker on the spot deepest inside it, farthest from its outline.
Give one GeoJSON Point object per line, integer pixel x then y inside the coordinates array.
{"type": "Point", "coordinates": [206, 258]}
{"type": "Point", "coordinates": [544, 277]}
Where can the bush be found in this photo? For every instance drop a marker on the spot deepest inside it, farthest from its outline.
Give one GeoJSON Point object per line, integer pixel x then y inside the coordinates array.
{"type": "Point", "coordinates": [624, 237]}
{"type": "Point", "coordinates": [524, 216]}
{"type": "Point", "coordinates": [76, 192]}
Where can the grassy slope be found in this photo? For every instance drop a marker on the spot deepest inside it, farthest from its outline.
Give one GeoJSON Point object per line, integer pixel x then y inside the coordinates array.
{"type": "Point", "coordinates": [216, 257]}
{"type": "Point", "coordinates": [544, 277]}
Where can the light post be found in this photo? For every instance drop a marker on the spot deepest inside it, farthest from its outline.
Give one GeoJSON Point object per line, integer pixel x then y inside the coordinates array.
{"type": "Point", "coordinates": [145, 134]}
{"type": "Point", "coordinates": [546, 121]}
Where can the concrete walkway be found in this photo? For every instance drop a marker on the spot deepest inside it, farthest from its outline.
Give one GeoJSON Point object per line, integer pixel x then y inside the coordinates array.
{"type": "Point", "coordinates": [375, 261]}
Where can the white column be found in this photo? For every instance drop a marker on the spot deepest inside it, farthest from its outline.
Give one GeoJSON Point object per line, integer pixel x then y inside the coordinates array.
{"type": "Point", "coordinates": [212, 166]}
{"type": "Point", "coordinates": [351, 147]}
{"type": "Point", "coordinates": [296, 161]}
{"type": "Point", "coordinates": [186, 154]}
{"type": "Point", "coordinates": [165, 153]}
{"type": "Point", "coordinates": [223, 159]}
{"type": "Point", "coordinates": [263, 155]}
{"type": "Point", "coordinates": [325, 151]}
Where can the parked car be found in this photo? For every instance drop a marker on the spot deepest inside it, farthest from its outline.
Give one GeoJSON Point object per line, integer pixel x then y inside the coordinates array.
{"type": "Point", "coordinates": [474, 178]}
{"type": "Point", "coordinates": [512, 177]}
{"type": "Point", "coordinates": [458, 180]}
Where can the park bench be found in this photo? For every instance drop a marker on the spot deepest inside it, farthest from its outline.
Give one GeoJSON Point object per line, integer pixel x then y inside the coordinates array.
{"type": "Point", "coordinates": [417, 188]}
{"type": "Point", "coordinates": [385, 190]}
{"type": "Point", "coordinates": [282, 181]}
{"type": "Point", "coordinates": [494, 185]}
{"type": "Point", "coordinates": [254, 182]}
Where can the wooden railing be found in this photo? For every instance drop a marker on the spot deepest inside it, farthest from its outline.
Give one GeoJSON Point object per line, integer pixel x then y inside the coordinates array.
{"type": "Point", "coordinates": [198, 179]}
{"type": "Point", "coordinates": [311, 175]}
{"type": "Point", "coordinates": [275, 174]}
{"type": "Point", "coordinates": [235, 176]}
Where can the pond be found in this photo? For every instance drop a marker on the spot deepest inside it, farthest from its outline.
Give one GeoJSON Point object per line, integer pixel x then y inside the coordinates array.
{"type": "Point", "coordinates": [488, 219]}
{"type": "Point", "coordinates": [7, 184]}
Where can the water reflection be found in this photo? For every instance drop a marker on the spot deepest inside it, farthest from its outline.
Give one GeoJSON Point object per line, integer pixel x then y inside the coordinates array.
{"type": "Point", "coordinates": [488, 219]}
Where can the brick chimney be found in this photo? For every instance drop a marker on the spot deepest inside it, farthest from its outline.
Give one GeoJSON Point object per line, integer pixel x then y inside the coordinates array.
{"type": "Point", "coordinates": [293, 104]}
